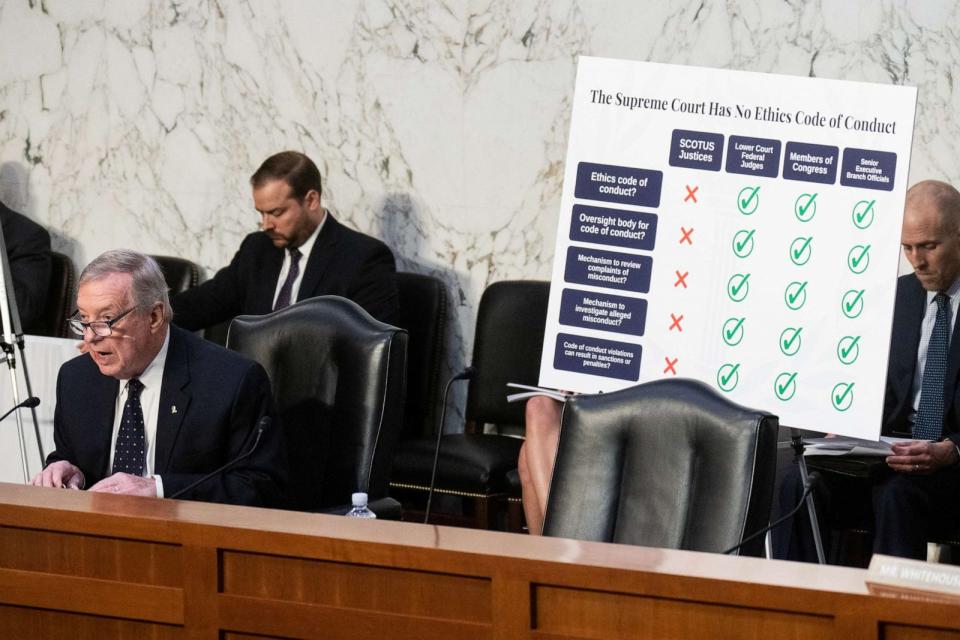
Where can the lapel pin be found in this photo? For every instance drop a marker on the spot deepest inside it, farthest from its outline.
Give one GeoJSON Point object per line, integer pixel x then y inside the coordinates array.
{"type": "Point", "coordinates": [173, 408]}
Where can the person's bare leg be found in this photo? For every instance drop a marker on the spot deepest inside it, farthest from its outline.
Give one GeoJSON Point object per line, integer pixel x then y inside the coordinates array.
{"type": "Point", "coordinates": [537, 457]}
{"type": "Point", "coordinates": [532, 511]}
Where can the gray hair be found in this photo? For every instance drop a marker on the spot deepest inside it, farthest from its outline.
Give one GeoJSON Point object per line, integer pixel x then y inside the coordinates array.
{"type": "Point", "coordinates": [149, 285]}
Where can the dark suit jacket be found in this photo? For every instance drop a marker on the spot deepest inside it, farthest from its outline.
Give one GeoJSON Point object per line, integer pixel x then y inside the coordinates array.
{"type": "Point", "coordinates": [904, 342]}
{"type": "Point", "coordinates": [28, 249]}
{"type": "Point", "coordinates": [219, 396]}
{"type": "Point", "coordinates": [343, 262]}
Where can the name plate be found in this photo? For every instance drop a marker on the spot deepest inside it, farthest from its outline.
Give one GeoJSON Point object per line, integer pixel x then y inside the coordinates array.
{"type": "Point", "coordinates": [914, 579]}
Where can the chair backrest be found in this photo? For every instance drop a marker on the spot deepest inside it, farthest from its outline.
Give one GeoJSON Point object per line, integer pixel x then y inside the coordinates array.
{"type": "Point", "coordinates": [53, 322]}
{"type": "Point", "coordinates": [507, 345]}
{"type": "Point", "coordinates": [423, 313]}
{"type": "Point", "coordinates": [338, 381]}
{"type": "Point", "coordinates": [670, 464]}
{"type": "Point", "coordinates": [180, 274]}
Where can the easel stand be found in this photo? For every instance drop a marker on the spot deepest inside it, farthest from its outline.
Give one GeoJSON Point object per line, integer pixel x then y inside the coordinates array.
{"type": "Point", "coordinates": [13, 336]}
{"type": "Point", "coordinates": [797, 444]}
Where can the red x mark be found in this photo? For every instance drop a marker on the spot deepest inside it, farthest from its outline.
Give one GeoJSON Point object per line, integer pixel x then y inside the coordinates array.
{"type": "Point", "coordinates": [670, 365]}
{"type": "Point", "coordinates": [681, 279]}
{"type": "Point", "coordinates": [686, 235]}
{"type": "Point", "coordinates": [691, 193]}
{"type": "Point", "coordinates": [675, 323]}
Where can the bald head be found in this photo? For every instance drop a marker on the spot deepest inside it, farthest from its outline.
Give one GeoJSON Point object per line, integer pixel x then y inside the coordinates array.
{"type": "Point", "coordinates": [931, 233]}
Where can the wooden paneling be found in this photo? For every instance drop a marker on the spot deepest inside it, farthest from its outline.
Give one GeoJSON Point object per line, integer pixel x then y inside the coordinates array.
{"type": "Point", "coordinates": [336, 623]}
{"type": "Point", "coordinates": [596, 614]}
{"type": "Point", "coordinates": [91, 556]}
{"type": "Point", "coordinates": [78, 565]}
{"type": "Point", "coordinates": [21, 623]}
{"type": "Point", "coordinates": [356, 586]}
{"type": "Point", "coordinates": [902, 632]}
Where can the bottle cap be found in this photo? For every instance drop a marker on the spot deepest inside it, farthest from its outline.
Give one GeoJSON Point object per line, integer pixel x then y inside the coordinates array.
{"type": "Point", "coordinates": [359, 499]}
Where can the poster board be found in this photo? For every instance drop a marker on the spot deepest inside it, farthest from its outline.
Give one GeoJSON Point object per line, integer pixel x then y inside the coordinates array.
{"type": "Point", "coordinates": [738, 228]}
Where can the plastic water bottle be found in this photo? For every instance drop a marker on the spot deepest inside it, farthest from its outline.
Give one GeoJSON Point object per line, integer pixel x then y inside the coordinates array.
{"type": "Point", "coordinates": [360, 509]}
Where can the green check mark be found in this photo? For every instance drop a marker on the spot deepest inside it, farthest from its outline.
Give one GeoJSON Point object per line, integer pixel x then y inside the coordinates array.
{"type": "Point", "coordinates": [852, 303]}
{"type": "Point", "coordinates": [859, 258]}
{"type": "Point", "coordinates": [842, 396]}
{"type": "Point", "coordinates": [800, 250]}
{"type": "Point", "coordinates": [848, 349]}
{"type": "Point", "coordinates": [863, 213]}
{"type": "Point", "coordinates": [805, 207]}
{"type": "Point", "coordinates": [748, 199]}
{"type": "Point", "coordinates": [790, 341]}
{"type": "Point", "coordinates": [785, 385]}
{"type": "Point", "coordinates": [795, 295]}
{"type": "Point", "coordinates": [743, 243]}
{"type": "Point", "coordinates": [738, 286]}
{"type": "Point", "coordinates": [733, 331]}
{"type": "Point", "coordinates": [728, 376]}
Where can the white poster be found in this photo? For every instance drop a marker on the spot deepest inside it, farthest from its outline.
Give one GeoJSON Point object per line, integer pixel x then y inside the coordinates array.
{"type": "Point", "coordinates": [738, 228]}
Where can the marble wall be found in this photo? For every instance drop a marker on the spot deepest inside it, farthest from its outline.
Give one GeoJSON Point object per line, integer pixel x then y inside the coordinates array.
{"type": "Point", "coordinates": [439, 126]}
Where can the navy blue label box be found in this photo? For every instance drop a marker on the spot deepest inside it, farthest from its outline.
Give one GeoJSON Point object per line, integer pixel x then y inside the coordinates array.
{"type": "Point", "coordinates": [614, 227]}
{"type": "Point", "coordinates": [603, 311]}
{"type": "Point", "coordinates": [810, 162]}
{"type": "Point", "coordinates": [868, 169]}
{"type": "Point", "coordinates": [605, 358]}
{"type": "Point", "coordinates": [753, 156]}
{"type": "Point", "coordinates": [624, 185]}
{"type": "Point", "coordinates": [696, 150]}
{"type": "Point", "coordinates": [608, 269]}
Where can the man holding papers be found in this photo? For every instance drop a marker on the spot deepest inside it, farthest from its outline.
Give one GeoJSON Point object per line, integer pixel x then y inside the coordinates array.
{"type": "Point", "coordinates": [919, 495]}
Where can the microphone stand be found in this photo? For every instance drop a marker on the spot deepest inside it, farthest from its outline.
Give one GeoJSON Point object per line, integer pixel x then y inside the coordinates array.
{"type": "Point", "coordinates": [466, 374]}
{"type": "Point", "coordinates": [797, 444]}
{"type": "Point", "coordinates": [13, 336]}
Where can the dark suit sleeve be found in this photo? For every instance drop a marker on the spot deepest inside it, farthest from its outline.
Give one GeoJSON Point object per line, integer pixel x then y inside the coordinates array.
{"type": "Point", "coordinates": [374, 286]}
{"type": "Point", "coordinates": [63, 447]}
{"type": "Point", "coordinates": [214, 301]}
{"type": "Point", "coordinates": [28, 249]}
{"type": "Point", "coordinates": [258, 480]}
{"type": "Point", "coordinates": [79, 433]}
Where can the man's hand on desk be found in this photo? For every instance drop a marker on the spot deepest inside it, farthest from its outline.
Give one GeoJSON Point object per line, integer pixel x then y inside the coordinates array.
{"type": "Point", "coordinates": [60, 474]}
{"type": "Point", "coordinates": [126, 484]}
{"type": "Point", "coordinates": [921, 457]}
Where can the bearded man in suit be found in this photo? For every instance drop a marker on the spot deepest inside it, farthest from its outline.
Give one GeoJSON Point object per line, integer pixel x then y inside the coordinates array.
{"type": "Point", "coordinates": [300, 252]}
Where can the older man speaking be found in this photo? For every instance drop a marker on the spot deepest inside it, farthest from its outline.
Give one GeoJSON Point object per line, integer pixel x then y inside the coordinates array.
{"type": "Point", "coordinates": [150, 408]}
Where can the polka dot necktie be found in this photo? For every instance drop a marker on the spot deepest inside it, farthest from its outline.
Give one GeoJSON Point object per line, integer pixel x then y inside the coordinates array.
{"type": "Point", "coordinates": [283, 298]}
{"type": "Point", "coordinates": [128, 455]}
{"type": "Point", "coordinates": [928, 424]}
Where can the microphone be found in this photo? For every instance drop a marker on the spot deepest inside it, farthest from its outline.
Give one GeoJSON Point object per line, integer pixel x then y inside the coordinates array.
{"type": "Point", "coordinates": [463, 375]}
{"type": "Point", "coordinates": [262, 424]}
{"type": "Point", "coordinates": [29, 403]}
{"type": "Point", "coordinates": [812, 478]}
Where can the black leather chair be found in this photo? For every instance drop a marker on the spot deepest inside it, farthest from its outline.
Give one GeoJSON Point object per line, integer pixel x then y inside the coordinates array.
{"type": "Point", "coordinates": [670, 464]}
{"type": "Point", "coordinates": [507, 347]}
{"type": "Point", "coordinates": [180, 274]}
{"type": "Point", "coordinates": [57, 309]}
{"type": "Point", "coordinates": [338, 381]}
{"type": "Point", "coordinates": [423, 313]}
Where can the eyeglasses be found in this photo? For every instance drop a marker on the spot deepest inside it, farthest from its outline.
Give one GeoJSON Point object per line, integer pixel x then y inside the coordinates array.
{"type": "Point", "coordinates": [102, 328]}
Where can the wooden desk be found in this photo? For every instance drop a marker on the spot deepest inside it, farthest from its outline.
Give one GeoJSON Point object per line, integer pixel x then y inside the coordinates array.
{"type": "Point", "coordinates": [78, 565]}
